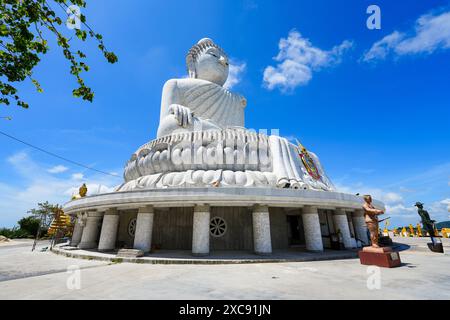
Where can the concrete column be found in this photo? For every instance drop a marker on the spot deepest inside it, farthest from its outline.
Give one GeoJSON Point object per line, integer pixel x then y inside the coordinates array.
{"type": "Point", "coordinates": [360, 226]}
{"type": "Point", "coordinates": [350, 225]}
{"type": "Point", "coordinates": [108, 234]}
{"type": "Point", "coordinates": [144, 229]}
{"type": "Point", "coordinates": [200, 232]}
{"type": "Point", "coordinates": [341, 224]}
{"type": "Point", "coordinates": [311, 225]}
{"type": "Point", "coordinates": [90, 231]}
{"type": "Point", "coordinates": [262, 242]}
{"type": "Point", "coordinates": [77, 232]}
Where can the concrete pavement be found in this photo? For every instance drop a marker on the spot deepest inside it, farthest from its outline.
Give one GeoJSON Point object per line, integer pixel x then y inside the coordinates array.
{"type": "Point", "coordinates": [44, 275]}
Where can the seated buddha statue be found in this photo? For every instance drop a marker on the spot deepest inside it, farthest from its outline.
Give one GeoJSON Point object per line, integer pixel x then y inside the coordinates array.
{"type": "Point", "coordinates": [200, 102]}
{"type": "Point", "coordinates": [221, 151]}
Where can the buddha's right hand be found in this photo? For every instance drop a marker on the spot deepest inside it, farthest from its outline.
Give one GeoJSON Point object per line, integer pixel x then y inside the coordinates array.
{"type": "Point", "coordinates": [182, 114]}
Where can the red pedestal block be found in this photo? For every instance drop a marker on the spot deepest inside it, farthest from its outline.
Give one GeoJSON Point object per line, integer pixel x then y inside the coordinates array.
{"type": "Point", "coordinates": [381, 257]}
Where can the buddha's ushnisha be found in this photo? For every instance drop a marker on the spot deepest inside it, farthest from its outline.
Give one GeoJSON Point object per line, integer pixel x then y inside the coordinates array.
{"type": "Point", "coordinates": [200, 102]}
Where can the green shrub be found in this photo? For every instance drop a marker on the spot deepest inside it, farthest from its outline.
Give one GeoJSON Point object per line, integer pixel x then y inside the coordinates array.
{"type": "Point", "coordinates": [6, 232]}
{"type": "Point", "coordinates": [13, 233]}
{"type": "Point", "coordinates": [29, 224]}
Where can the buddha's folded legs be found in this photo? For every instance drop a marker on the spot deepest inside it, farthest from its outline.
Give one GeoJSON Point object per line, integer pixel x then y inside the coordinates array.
{"type": "Point", "coordinates": [278, 164]}
{"type": "Point", "coordinates": [170, 125]}
{"type": "Point", "coordinates": [286, 166]}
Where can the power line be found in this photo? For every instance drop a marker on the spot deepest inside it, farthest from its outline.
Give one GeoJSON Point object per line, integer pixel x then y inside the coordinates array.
{"type": "Point", "coordinates": [57, 156]}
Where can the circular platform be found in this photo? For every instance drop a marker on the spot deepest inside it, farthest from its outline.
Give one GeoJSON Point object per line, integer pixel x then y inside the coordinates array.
{"type": "Point", "coordinates": [223, 257]}
{"type": "Point", "coordinates": [233, 196]}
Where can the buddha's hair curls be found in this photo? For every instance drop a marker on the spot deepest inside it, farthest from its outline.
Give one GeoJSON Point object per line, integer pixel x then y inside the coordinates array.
{"type": "Point", "coordinates": [193, 54]}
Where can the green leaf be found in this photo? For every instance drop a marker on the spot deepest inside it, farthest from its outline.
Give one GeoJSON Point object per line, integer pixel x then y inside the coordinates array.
{"type": "Point", "coordinates": [22, 26]}
{"type": "Point", "coordinates": [81, 34]}
{"type": "Point", "coordinates": [4, 31]}
{"type": "Point", "coordinates": [111, 57]}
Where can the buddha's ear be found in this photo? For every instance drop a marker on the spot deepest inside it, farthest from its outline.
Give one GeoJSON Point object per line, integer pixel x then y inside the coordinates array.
{"type": "Point", "coordinates": [192, 74]}
{"type": "Point", "coordinates": [190, 63]}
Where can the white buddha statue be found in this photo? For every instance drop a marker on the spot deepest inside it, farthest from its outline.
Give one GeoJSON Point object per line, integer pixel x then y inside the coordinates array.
{"type": "Point", "coordinates": [200, 102]}
{"type": "Point", "coordinates": [202, 139]}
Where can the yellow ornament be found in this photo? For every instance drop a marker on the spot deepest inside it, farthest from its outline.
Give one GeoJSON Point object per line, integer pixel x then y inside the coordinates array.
{"type": "Point", "coordinates": [404, 233]}
{"type": "Point", "coordinates": [419, 230]}
{"type": "Point", "coordinates": [411, 230]}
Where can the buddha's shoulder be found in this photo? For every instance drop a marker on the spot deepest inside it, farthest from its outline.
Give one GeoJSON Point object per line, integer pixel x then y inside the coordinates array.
{"type": "Point", "coordinates": [190, 86]}
{"type": "Point", "coordinates": [191, 83]}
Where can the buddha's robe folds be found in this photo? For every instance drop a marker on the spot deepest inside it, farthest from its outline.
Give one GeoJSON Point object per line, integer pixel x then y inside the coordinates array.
{"type": "Point", "coordinates": [212, 106]}
{"type": "Point", "coordinates": [209, 101]}
{"type": "Point", "coordinates": [289, 169]}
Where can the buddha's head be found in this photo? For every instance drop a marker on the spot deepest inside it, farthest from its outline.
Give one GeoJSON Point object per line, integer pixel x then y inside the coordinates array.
{"type": "Point", "coordinates": [208, 61]}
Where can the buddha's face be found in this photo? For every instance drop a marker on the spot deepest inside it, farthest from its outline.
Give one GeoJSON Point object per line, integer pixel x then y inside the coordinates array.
{"type": "Point", "coordinates": [212, 65]}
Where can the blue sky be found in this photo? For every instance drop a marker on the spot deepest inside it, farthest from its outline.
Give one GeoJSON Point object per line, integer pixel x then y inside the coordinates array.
{"type": "Point", "coordinates": [373, 104]}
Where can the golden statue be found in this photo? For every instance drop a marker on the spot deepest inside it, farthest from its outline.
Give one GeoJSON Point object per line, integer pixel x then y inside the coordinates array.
{"type": "Point", "coordinates": [419, 230]}
{"type": "Point", "coordinates": [404, 234]}
{"type": "Point", "coordinates": [411, 230]}
{"type": "Point", "coordinates": [82, 192]}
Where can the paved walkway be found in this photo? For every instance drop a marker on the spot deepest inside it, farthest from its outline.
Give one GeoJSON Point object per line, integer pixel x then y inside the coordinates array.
{"type": "Point", "coordinates": [216, 257]}
{"type": "Point", "coordinates": [43, 275]}
{"type": "Point", "coordinates": [17, 261]}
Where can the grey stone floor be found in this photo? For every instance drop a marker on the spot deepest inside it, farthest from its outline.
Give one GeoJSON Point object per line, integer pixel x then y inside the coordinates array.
{"type": "Point", "coordinates": [215, 257]}
{"type": "Point", "coordinates": [43, 275]}
{"type": "Point", "coordinates": [17, 261]}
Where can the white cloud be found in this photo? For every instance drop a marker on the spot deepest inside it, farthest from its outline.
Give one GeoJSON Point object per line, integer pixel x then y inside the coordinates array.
{"type": "Point", "coordinates": [439, 210]}
{"type": "Point", "coordinates": [429, 185]}
{"type": "Point", "coordinates": [35, 184]}
{"type": "Point", "coordinates": [58, 169]}
{"type": "Point", "coordinates": [440, 206]}
{"type": "Point", "coordinates": [431, 32]}
{"type": "Point", "coordinates": [298, 59]}
{"type": "Point", "coordinates": [380, 49]}
{"type": "Point", "coordinates": [235, 74]}
{"type": "Point", "coordinates": [77, 176]}
{"type": "Point", "coordinates": [388, 197]}
{"type": "Point", "coordinates": [393, 201]}
{"type": "Point", "coordinates": [17, 158]}
{"type": "Point", "coordinates": [401, 209]}
{"type": "Point", "coordinates": [446, 202]}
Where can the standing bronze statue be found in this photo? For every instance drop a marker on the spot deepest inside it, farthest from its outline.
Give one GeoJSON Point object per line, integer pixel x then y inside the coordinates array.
{"type": "Point", "coordinates": [375, 255]}
{"type": "Point", "coordinates": [371, 217]}
{"type": "Point", "coordinates": [427, 223]}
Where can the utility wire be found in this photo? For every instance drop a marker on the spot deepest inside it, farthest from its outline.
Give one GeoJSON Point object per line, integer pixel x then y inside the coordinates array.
{"type": "Point", "coordinates": [57, 156]}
